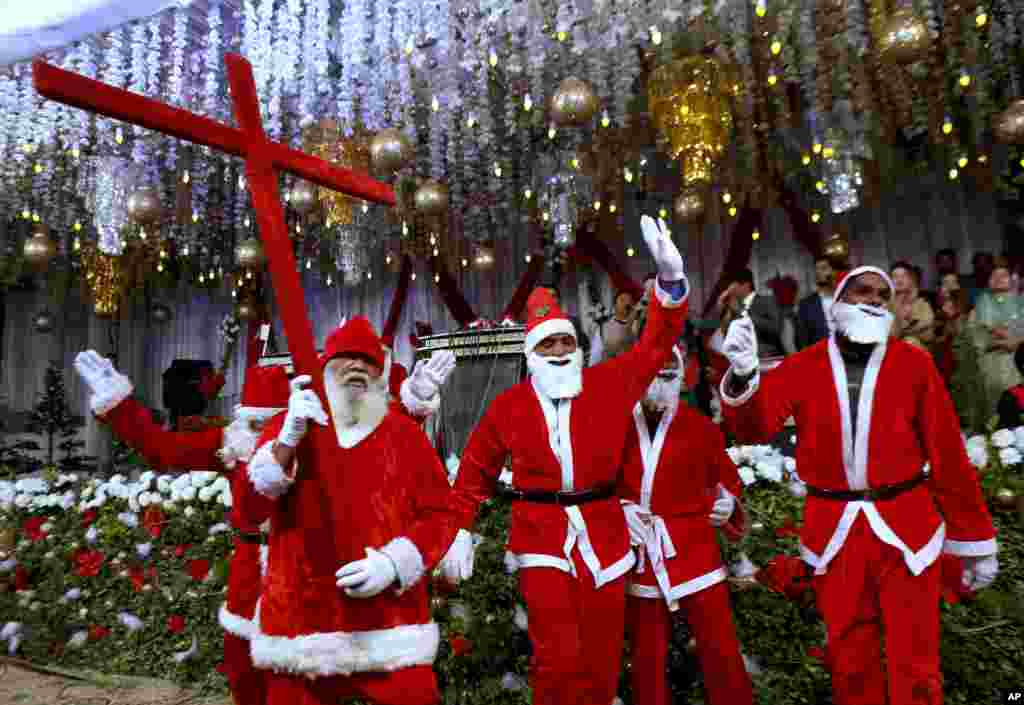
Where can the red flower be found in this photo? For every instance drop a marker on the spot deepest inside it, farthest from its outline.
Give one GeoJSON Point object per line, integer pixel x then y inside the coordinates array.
{"type": "Point", "coordinates": [786, 575]}
{"type": "Point", "coordinates": [180, 550]}
{"type": "Point", "coordinates": [33, 528]}
{"type": "Point", "coordinates": [460, 645]}
{"type": "Point", "coordinates": [88, 517]}
{"type": "Point", "coordinates": [221, 668]}
{"type": "Point", "coordinates": [816, 652]}
{"type": "Point", "coordinates": [89, 563]}
{"type": "Point", "coordinates": [21, 579]}
{"type": "Point", "coordinates": [137, 574]}
{"type": "Point", "coordinates": [199, 569]}
{"type": "Point", "coordinates": [176, 624]}
{"type": "Point", "coordinates": [788, 528]}
{"type": "Point", "coordinates": [96, 632]}
{"type": "Point", "coordinates": [153, 520]}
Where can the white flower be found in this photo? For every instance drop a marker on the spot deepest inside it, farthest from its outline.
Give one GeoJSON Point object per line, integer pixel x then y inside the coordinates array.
{"type": "Point", "coordinates": [201, 478]}
{"type": "Point", "coordinates": [129, 519]}
{"type": "Point", "coordinates": [23, 501]}
{"type": "Point", "coordinates": [220, 484]}
{"type": "Point", "coordinates": [789, 464]}
{"type": "Point", "coordinates": [163, 484]}
{"type": "Point", "coordinates": [170, 505]}
{"type": "Point", "coordinates": [34, 607]}
{"type": "Point", "coordinates": [747, 475]}
{"type": "Point", "coordinates": [797, 488]}
{"type": "Point", "coordinates": [83, 613]}
{"type": "Point", "coordinates": [225, 498]}
{"type": "Point", "coordinates": [49, 555]}
{"type": "Point", "coordinates": [13, 644]}
{"type": "Point", "coordinates": [47, 526]}
{"type": "Point", "coordinates": [205, 494]}
{"type": "Point", "coordinates": [769, 470]}
{"type": "Point", "coordinates": [78, 639]}
{"type": "Point", "coordinates": [88, 492]}
{"type": "Point", "coordinates": [92, 534]}
{"type": "Point", "coordinates": [189, 512]}
{"type": "Point", "coordinates": [9, 630]}
{"type": "Point", "coordinates": [72, 594]}
{"type": "Point", "coordinates": [1010, 456]}
{"type": "Point", "coordinates": [67, 501]}
{"type": "Point", "coordinates": [520, 618]}
{"type": "Point", "coordinates": [32, 485]}
{"type": "Point", "coordinates": [735, 455]}
{"type": "Point", "coordinates": [143, 499]}
{"type": "Point", "coordinates": [219, 528]}
{"type": "Point", "coordinates": [182, 656]}
{"type": "Point", "coordinates": [1018, 436]}
{"type": "Point", "coordinates": [144, 549]}
{"type": "Point", "coordinates": [978, 456]}
{"type": "Point", "coordinates": [976, 442]}
{"type": "Point", "coordinates": [188, 494]}
{"type": "Point", "coordinates": [130, 621]}
{"type": "Point", "coordinates": [145, 480]}
{"type": "Point", "coordinates": [743, 567]}
{"type": "Point", "coordinates": [117, 480]}
{"type": "Point", "coordinates": [8, 565]}
{"type": "Point", "coordinates": [1003, 438]}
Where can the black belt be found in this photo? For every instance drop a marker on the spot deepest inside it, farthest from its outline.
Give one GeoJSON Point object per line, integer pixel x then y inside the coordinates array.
{"type": "Point", "coordinates": [251, 537]}
{"type": "Point", "coordinates": [872, 494]}
{"type": "Point", "coordinates": [562, 499]}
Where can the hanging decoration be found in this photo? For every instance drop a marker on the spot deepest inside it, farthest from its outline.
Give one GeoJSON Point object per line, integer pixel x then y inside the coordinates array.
{"type": "Point", "coordinates": [390, 151]}
{"type": "Point", "coordinates": [565, 192]}
{"type": "Point", "coordinates": [103, 281]}
{"type": "Point", "coordinates": [43, 322]}
{"type": "Point", "coordinates": [39, 249]}
{"type": "Point", "coordinates": [302, 197]}
{"type": "Point", "coordinates": [249, 254]}
{"type": "Point", "coordinates": [249, 309]}
{"type": "Point", "coordinates": [1008, 126]}
{"type": "Point", "coordinates": [905, 38]}
{"type": "Point", "coordinates": [144, 206]}
{"type": "Point", "coordinates": [327, 140]}
{"type": "Point", "coordinates": [573, 103]}
{"type": "Point", "coordinates": [689, 205]}
{"type": "Point", "coordinates": [160, 313]}
{"type": "Point", "coordinates": [431, 198]}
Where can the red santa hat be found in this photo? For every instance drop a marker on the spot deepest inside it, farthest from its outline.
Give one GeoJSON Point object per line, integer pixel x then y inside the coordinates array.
{"type": "Point", "coordinates": [356, 337]}
{"type": "Point", "coordinates": [544, 318]}
{"type": "Point", "coordinates": [264, 393]}
{"type": "Point", "coordinates": [395, 379]}
{"type": "Point", "coordinates": [844, 278]}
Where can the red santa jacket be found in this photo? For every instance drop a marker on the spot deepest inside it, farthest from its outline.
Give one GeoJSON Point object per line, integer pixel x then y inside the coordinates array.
{"type": "Point", "coordinates": [905, 419]}
{"type": "Point", "coordinates": [677, 475]}
{"type": "Point", "coordinates": [389, 493]}
{"type": "Point", "coordinates": [593, 428]}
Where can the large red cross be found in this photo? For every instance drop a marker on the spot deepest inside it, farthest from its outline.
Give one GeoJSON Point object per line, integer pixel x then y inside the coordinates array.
{"type": "Point", "coordinates": [262, 160]}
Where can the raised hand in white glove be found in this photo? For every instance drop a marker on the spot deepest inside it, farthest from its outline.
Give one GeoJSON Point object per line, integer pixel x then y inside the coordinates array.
{"type": "Point", "coordinates": [979, 571]}
{"type": "Point", "coordinates": [428, 377]}
{"type": "Point", "coordinates": [638, 520]}
{"type": "Point", "coordinates": [740, 346]}
{"type": "Point", "coordinates": [367, 577]}
{"type": "Point", "coordinates": [457, 564]}
{"type": "Point", "coordinates": [722, 509]}
{"type": "Point", "coordinates": [663, 250]}
{"type": "Point", "coordinates": [303, 405]}
{"type": "Point", "coordinates": [107, 386]}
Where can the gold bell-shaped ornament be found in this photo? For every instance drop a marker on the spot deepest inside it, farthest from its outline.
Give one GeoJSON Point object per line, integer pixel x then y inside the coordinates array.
{"type": "Point", "coordinates": [39, 249]}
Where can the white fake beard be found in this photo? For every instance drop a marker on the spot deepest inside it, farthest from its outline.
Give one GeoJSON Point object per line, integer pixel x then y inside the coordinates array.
{"type": "Point", "coordinates": [860, 323]}
{"type": "Point", "coordinates": [239, 443]}
{"type": "Point", "coordinates": [557, 381]}
{"type": "Point", "coordinates": [356, 413]}
{"type": "Point", "coordinates": [663, 394]}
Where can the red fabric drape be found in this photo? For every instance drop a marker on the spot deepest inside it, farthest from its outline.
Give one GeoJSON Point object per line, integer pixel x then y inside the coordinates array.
{"type": "Point", "coordinates": [807, 233]}
{"type": "Point", "coordinates": [397, 303]}
{"type": "Point", "coordinates": [457, 305]}
{"type": "Point", "coordinates": [738, 257]}
{"type": "Point", "coordinates": [526, 285]}
{"type": "Point", "coordinates": [589, 245]}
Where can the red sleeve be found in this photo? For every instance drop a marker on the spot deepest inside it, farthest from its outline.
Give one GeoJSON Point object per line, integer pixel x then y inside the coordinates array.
{"type": "Point", "coordinates": [759, 416]}
{"type": "Point", "coordinates": [952, 479]}
{"type": "Point", "coordinates": [724, 470]}
{"type": "Point", "coordinates": [133, 424]}
{"type": "Point", "coordinates": [432, 530]}
{"type": "Point", "coordinates": [479, 467]}
{"type": "Point", "coordinates": [251, 507]}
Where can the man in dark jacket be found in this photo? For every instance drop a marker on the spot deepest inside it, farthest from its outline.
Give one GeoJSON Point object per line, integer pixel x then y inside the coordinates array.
{"type": "Point", "coordinates": [812, 315]}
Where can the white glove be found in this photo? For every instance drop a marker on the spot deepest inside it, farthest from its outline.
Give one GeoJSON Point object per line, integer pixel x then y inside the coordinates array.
{"type": "Point", "coordinates": [722, 509]}
{"type": "Point", "coordinates": [980, 571]}
{"type": "Point", "coordinates": [638, 520]}
{"type": "Point", "coordinates": [367, 577]}
{"type": "Point", "coordinates": [740, 346]}
{"type": "Point", "coordinates": [108, 387]}
{"type": "Point", "coordinates": [663, 250]}
{"type": "Point", "coordinates": [303, 404]}
{"type": "Point", "coordinates": [428, 377]}
{"type": "Point", "coordinates": [457, 564]}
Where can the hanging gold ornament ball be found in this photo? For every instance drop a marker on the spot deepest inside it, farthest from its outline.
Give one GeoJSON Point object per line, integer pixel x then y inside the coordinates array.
{"type": "Point", "coordinates": [431, 198]}
{"type": "Point", "coordinates": [390, 150]}
{"type": "Point", "coordinates": [836, 248]}
{"type": "Point", "coordinates": [161, 313]}
{"type": "Point", "coordinates": [105, 308]}
{"type": "Point", "coordinates": [302, 197]}
{"type": "Point", "coordinates": [39, 249]}
{"type": "Point", "coordinates": [43, 322]}
{"type": "Point", "coordinates": [573, 103]}
{"type": "Point", "coordinates": [1008, 125]}
{"type": "Point", "coordinates": [905, 38]}
{"type": "Point", "coordinates": [1006, 498]}
{"type": "Point", "coordinates": [249, 254]}
{"type": "Point", "coordinates": [248, 309]}
{"type": "Point", "coordinates": [689, 205]}
{"type": "Point", "coordinates": [144, 206]}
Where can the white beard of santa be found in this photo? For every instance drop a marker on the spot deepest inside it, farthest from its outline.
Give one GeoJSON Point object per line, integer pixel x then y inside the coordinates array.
{"type": "Point", "coordinates": [242, 434]}
{"type": "Point", "coordinates": [861, 323]}
{"type": "Point", "coordinates": [557, 377]}
{"type": "Point", "coordinates": [358, 403]}
{"type": "Point", "coordinates": [663, 394]}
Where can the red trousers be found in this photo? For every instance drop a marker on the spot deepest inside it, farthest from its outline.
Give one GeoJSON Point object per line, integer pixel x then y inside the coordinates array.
{"type": "Point", "coordinates": [867, 589]}
{"type": "Point", "coordinates": [408, 686]}
{"type": "Point", "coordinates": [709, 614]}
{"type": "Point", "coordinates": [246, 682]}
{"type": "Point", "coordinates": [577, 633]}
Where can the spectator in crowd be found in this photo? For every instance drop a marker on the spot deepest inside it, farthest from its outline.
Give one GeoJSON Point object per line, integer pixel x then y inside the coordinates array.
{"type": "Point", "coordinates": [949, 325]}
{"type": "Point", "coordinates": [813, 320]}
{"type": "Point", "coordinates": [997, 331]}
{"type": "Point", "coordinates": [946, 263]}
{"type": "Point", "coordinates": [977, 281]}
{"type": "Point", "coordinates": [616, 335]}
{"type": "Point", "coordinates": [949, 284]}
{"type": "Point", "coordinates": [1011, 404]}
{"type": "Point", "coordinates": [914, 318]}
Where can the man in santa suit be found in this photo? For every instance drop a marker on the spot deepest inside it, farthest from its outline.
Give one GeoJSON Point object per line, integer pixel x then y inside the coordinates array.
{"type": "Point", "coordinates": [889, 488]}
{"type": "Point", "coordinates": [565, 429]}
{"type": "Point", "coordinates": [344, 610]}
{"type": "Point", "coordinates": [265, 394]}
{"type": "Point", "coordinates": [677, 485]}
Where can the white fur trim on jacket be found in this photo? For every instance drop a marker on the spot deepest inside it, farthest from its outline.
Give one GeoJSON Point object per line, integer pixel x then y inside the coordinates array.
{"type": "Point", "coordinates": [420, 408]}
{"type": "Point", "coordinates": [970, 549]}
{"type": "Point", "coordinates": [552, 326]}
{"type": "Point", "coordinates": [264, 558]}
{"type": "Point", "coordinates": [258, 413]}
{"type": "Point", "coordinates": [233, 624]}
{"type": "Point", "coordinates": [344, 653]}
{"type": "Point", "coordinates": [408, 561]}
{"type": "Point", "coordinates": [665, 299]}
{"type": "Point", "coordinates": [115, 390]}
{"type": "Point", "coordinates": [743, 398]}
{"type": "Point", "coordinates": [266, 474]}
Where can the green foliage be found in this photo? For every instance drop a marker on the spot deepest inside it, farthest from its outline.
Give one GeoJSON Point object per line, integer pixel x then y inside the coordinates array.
{"type": "Point", "coordinates": [969, 397]}
{"type": "Point", "coordinates": [52, 419]}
